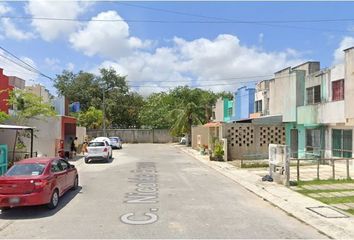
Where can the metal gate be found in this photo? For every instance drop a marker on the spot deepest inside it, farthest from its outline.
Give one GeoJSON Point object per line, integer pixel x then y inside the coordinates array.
{"type": "Point", "coordinates": [3, 159]}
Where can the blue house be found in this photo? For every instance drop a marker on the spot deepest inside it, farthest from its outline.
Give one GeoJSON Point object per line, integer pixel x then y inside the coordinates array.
{"type": "Point", "coordinates": [243, 103]}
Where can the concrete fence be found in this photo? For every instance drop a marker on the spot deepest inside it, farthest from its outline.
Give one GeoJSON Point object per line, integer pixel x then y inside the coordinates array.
{"type": "Point", "coordinates": [137, 135]}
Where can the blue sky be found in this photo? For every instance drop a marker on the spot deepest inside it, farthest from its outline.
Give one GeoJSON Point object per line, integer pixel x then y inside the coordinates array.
{"type": "Point", "coordinates": [181, 46]}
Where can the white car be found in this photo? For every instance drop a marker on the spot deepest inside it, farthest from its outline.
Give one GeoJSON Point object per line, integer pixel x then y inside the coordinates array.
{"type": "Point", "coordinates": [103, 139]}
{"type": "Point", "coordinates": [98, 150]}
{"type": "Point", "coordinates": [116, 142]}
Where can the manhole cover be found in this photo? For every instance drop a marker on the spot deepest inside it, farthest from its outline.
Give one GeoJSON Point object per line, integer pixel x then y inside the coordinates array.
{"type": "Point", "coordinates": [327, 212]}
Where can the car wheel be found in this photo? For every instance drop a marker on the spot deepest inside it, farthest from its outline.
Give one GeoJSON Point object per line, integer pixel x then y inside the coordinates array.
{"type": "Point", "coordinates": [76, 183]}
{"type": "Point", "coordinates": [54, 200]}
{"type": "Point", "coordinates": [86, 160]}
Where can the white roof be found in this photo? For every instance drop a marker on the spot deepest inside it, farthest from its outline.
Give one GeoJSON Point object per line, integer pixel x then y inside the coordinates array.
{"type": "Point", "coordinates": [15, 127]}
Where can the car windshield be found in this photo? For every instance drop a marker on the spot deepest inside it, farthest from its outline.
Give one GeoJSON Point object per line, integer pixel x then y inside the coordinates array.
{"type": "Point", "coordinates": [31, 169]}
{"type": "Point", "coordinates": [96, 144]}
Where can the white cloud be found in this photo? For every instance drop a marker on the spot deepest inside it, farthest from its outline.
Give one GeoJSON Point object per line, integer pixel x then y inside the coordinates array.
{"type": "Point", "coordinates": [11, 31]}
{"type": "Point", "coordinates": [70, 66]}
{"type": "Point", "coordinates": [338, 55]}
{"type": "Point", "coordinates": [11, 69]}
{"type": "Point", "coordinates": [201, 62]}
{"type": "Point", "coordinates": [108, 39]}
{"type": "Point", "coordinates": [50, 30]}
{"type": "Point", "coordinates": [52, 63]}
{"type": "Point", "coordinates": [4, 8]}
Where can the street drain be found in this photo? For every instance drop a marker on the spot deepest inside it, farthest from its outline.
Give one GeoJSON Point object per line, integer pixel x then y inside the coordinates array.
{"type": "Point", "coordinates": [327, 212]}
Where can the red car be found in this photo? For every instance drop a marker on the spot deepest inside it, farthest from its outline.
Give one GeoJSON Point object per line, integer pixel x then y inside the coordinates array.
{"type": "Point", "coordinates": [37, 181]}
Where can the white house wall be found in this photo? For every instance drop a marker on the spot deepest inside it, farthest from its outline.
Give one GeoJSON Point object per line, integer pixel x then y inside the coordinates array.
{"type": "Point", "coordinates": [46, 132]}
{"type": "Point", "coordinates": [349, 84]}
{"type": "Point", "coordinates": [331, 112]}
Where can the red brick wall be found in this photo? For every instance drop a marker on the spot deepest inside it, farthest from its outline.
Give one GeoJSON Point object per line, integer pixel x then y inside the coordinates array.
{"type": "Point", "coordinates": [4, 91]}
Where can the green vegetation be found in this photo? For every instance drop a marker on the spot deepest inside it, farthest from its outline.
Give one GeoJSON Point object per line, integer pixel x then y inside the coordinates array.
{"type": "Point", "coordinates": [255, 165]}
{"type": "Point", "coordinates": [177, 109]}
{"type": "Point", "coordinates": [351, 211]}
{"type": "Point", "coordinates": [326, 181]}
{"type": "Point", "coordinates": [91, 119]}
{"type": "Point", "coordinates": [27, 106]}
{"type": "Point", "coordinates": [308, 191]}
{"type": "Point", "coordinates": [3, 117]}
{"type": "Point", "coordinates": [218, 150]}
{"type": "Point", "coordinates": [336, 200]}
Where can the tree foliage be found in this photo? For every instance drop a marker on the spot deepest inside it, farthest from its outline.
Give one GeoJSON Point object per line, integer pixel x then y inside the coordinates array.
{"type": "Point", "coordinates": [127, 109]}
{"type": "Point", "coordinates": [3, 117]}
{"type": "Point", "coordinates": [156, 109]}
{"type": "Point", "coordinates": [121, 105]}
{"type": "Point", "coordinates": [178, 109]}
{"type": "Point", "coordinates": [28, 105]}
{"type": "Point", "coordinates": [91, 119]}
{"type": "Point", "coordinates": [184, 118]}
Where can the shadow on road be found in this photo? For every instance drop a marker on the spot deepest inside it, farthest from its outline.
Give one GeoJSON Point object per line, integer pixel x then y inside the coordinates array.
{"type": "Point", "coordinates": [32, 212]}
{"type": "Point", "coordinates": [110, 161]}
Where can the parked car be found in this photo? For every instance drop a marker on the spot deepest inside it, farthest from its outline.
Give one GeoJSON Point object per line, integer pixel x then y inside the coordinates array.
{"type": "Point", "coordinates": [116, 142]}
{"type": "Point", "coordinates": [37, 181]}
{"type": "Point", "coordinates": [103, 139]}
{"type": "Point", "coordinates": [98, 150]}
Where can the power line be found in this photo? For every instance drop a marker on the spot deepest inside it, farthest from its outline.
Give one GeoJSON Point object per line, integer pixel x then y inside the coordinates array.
{"type": "Point", "coordinates": [240, 21]}
{"type": "Point", "coordinates": [222, 20]}
{"type": "Point", "coordinates": [29, 67]}
{"type": "Point", "coordinates": [213, 80]}
{"type": "Point", "coordinates": [263, 23]}
{"type": "Point", "coordinates": [152, 85]}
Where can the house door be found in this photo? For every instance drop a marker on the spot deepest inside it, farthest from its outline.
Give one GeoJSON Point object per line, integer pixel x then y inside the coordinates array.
{"type": "Point", "coordinates": [294, 135]}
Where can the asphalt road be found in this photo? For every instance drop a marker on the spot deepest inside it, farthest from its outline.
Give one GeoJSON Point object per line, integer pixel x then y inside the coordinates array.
{"type": "Point", "coordinates": [154, 191]}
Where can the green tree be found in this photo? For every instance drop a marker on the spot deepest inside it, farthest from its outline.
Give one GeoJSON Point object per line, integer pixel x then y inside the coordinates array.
{"type": "Point", "coordinates": [155, 112]}
{"type": "Point", "coordinates": [91, 119]}
{"type": "Point", "coordinates": [3, 117]}
{"type": "Point", "coordinates": [27, 106]}
{"type": "Point", "coordinates": [81, 87]}
{"type": "Point", "coordinates": [184, 118]}
{"type": "Point", "coordinates": [121, 106]}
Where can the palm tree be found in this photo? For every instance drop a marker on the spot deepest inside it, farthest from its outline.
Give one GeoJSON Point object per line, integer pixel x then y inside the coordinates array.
{"type": "Point", "coordinates": [184, 118]}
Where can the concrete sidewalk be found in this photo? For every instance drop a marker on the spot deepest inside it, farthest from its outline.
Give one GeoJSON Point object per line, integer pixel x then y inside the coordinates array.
{"type": "Point", "coordinates": [293, 203]}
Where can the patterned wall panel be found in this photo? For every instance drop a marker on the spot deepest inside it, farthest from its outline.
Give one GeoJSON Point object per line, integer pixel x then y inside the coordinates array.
{"type": "Point", "coordinates": [245, 139]}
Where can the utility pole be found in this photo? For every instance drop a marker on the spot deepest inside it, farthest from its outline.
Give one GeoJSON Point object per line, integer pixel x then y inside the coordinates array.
{"type": "Point", "coordinates": [104, 112]}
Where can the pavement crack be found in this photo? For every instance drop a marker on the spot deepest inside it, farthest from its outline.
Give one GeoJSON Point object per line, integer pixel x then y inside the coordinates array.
{"type": "Point", "coordinates": [2, 227]}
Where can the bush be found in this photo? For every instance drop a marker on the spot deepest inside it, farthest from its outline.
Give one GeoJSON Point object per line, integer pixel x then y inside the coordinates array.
{"type": "Point", "coordinates": [218, 150]}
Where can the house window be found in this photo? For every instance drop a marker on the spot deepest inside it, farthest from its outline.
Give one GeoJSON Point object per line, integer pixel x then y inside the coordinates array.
{"type": "Point", "coordinates": [342, 143]}
{"type": "Point", "coordinates": [338, 90]}
{"type": "Point", "coordinates": [313, 94]}
{"type": "Point", "coordinates": [213, 115]}
{"type": "Point", "coordinates": [230, 112]}
{"type": "Point", "coordinates": [258, 106]}
{"type": "Point", "coordinates": [313, 141]}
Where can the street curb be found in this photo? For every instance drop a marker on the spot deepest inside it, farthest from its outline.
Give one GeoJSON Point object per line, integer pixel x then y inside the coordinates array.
{"type": "Point", "coordinates": [293, 203]}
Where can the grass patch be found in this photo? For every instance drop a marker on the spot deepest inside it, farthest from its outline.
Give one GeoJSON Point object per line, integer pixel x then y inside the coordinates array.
{"type": "Point", "coordinates": [336, 200]}
{"type": "Point", "coordinates": [351, 211]}
{"type": "Point", "coordinates": [254, 165]}
{"type": "Point", "coordinates": [326, 181]}
{"type": "Point", "coordinates": [306, 191]}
